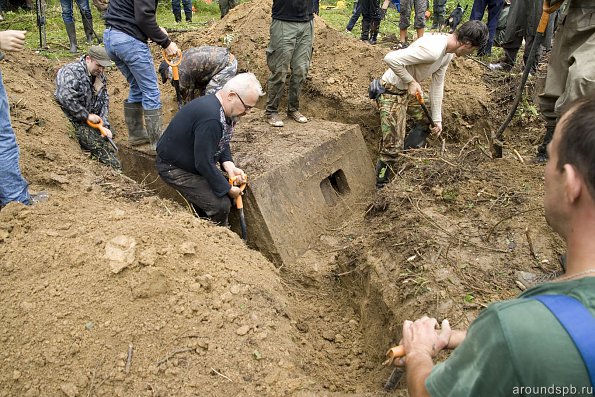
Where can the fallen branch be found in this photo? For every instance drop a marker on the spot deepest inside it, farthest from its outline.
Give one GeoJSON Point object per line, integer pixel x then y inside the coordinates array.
{"type": "Point", "coordinates": [507, 218]}
{"type": "Point", "coordinates": [129, 359]}
{"type": "Point", "coordinates": [220, 374]}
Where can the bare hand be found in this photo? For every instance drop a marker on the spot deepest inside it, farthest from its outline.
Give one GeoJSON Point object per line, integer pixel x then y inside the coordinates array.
{"type": "Point", "coordinates": [12, 40]}
{"type": "Point", "coordinates": [172, 49]}
{"type": "Point", "coordinates": [414, 87]}
{"type": "Point", "coordinates": [234, 192]}
{"type": "Point", "coordinates": [239, 175]}
{"type": "Point", "coordinates": [438, 129]}
{"type": "Point", "coordinates": [93, 118]}
{"type": "Point", "coordinates": [108, 132]}
{"type": "Point", "coordinates": [421, 336]}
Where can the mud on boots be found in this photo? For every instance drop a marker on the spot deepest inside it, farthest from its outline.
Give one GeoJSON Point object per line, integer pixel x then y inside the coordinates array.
{"type": "Point", "coordinates": [153, 126]}
{"type": "Point", "coordinates": [134, 117]}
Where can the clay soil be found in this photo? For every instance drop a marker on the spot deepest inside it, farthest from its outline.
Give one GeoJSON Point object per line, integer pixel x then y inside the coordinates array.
{"type": "Point", "coordinates": [194, 311]}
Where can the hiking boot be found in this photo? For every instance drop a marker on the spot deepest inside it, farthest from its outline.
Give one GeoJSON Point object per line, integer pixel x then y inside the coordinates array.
{"type": "Point", "coordinates": [527, 280]}
{"type": "Point", "coordinates": [274, 120]}
{"type": "Point", "coordinates": [297, 116]}
{"type": "Point", "coordinates": [384, 173]}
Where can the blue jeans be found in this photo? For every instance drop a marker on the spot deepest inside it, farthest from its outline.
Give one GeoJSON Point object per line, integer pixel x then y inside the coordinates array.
{"type": "Point", "coordinates": [177, 10]}
{"type": "Point", "coordinates": [13, 187]}
{"type": "Point", "coordinates": [494, 7]}
{"type": "Point", "coordinates": [134, 59]}
{"type": "Point", "coordinates": [67, 15]}
{"type": "Point", "coordinates": [357, 11]}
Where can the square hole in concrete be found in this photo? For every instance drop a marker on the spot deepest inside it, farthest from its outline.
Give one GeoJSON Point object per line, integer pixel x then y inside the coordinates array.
{"type": "Point", "coordinates": [333, 186]}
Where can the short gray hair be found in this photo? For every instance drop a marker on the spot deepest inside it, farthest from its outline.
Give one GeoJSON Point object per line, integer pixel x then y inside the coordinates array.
{"type": "Point", "coordinates": [243, 83]}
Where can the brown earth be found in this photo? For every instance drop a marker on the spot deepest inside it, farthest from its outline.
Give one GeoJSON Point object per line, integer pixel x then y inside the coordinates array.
{"type": "Point", "coordinates": [202, 314]}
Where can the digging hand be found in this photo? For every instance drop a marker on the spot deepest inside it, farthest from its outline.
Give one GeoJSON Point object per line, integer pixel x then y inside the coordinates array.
{"type": "Point", "coordinates": [172, 49]}
{"type": "Point", "coordinates": [422, 337]}
{"type": "Point", "coordinates": [12, 40]}
{"type": "Point", "coordinates": [414, 88]}
{"type": "Point", "coordinates": [234, 192]}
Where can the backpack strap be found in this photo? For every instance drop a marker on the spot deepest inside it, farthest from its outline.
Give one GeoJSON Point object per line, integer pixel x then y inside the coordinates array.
{"type": "Point", "coordinates": [578, 322]}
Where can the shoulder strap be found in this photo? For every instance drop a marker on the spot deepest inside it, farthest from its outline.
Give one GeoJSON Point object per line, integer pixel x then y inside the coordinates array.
{"type": "Point", "coordinates": [578, 321]}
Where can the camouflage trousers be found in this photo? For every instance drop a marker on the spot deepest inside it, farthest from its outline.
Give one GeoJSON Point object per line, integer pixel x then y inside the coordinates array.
{"type": "Point", "coordinates": [91, 140]}
{"type": "Point", "coordinates": [394, 110]}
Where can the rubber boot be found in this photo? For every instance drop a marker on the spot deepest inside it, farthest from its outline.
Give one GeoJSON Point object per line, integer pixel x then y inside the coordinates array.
{"type": "Point", "coordinates": [133, 115]}
{"type": "Point", "coordinates": [153, 124]}
{"type": "Point", "coordinates": [71, 31]}
{"type": "Point", "coordinates": [365, 30]}
{"type": "Point", "coordinates": [189, 16]}
{"type": "Point", "coordinates": [178, 16]}
{"type": "Point", "coordinates": [542, 155]}
{"type": "Point", "coordinates": [88, 25]}
{"type": "Point", "coordinates": [374, 27]}
{"type": "Point", "coordinates": [384, 173]}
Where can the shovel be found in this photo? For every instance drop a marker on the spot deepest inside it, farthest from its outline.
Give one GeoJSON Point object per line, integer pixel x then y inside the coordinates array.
{"type": "Point", "coordinates": [497, 138]}
{"type": "Point", "coordinates": [102, 131]}
{"type": "Point", "coordinates": [240, 206]}
{"type": "Point", "coordinates": [174, 62]}
{"type": "Point", "coordinates": [417, 136]}
{"type": "Point", "coordinates": [393, 354]}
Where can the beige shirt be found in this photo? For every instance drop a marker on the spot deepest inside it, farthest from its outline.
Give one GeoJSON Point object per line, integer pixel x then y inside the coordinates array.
{"type": "Point", "coordinates": [425, 57]}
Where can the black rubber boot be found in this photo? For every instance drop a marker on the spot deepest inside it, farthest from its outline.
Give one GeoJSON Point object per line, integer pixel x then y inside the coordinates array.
{"type": "Point", "coordinates": [384, 173]}
{"type": "Point", "coordinates": [374, 27]}
{"type": "Point", "coordinates": [365, 30]}
{"type": "Point", "coordinates": [189, 16]}
{"type": "Point", "coordinates": [153, 125]}
{"type": "Point", "coordinates": [88, 26]}
{"type": "Point", "coordinates": [178, 16]}
{"type": "Point", "coordinates": [133, 115]}
{"type": "Point", "coordinates": [71, 31]}
{"type": "Point", "coordinates": [542, 155]}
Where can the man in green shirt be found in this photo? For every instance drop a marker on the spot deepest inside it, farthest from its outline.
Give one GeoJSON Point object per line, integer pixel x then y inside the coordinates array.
{"type": "Point", "coordinates": [519, 347]}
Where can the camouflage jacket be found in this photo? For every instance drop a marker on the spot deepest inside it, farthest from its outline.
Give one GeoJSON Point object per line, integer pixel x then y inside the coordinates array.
{"type": "Point", "coordinates": [101, 5]}
{"type": "Point", "coordinates": [198, 66]}
{"type": "Point", "coordinates": [77, 96]}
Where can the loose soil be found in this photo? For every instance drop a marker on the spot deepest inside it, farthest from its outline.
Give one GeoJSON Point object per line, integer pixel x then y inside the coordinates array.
{"type": "Point", "coordinates": [193, 311]}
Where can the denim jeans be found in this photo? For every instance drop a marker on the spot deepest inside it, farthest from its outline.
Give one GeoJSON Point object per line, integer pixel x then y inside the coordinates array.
{"type": "Point", "coordinates": [67, 15]}
{"type": "Point", "coordinates": [494, 7]}
{"type": "Point", "coordinates": [13, 187]}
{"type": "Point", "coordinates": [134, 59]}
{"type": "Point", "coordinates": [177, 10]}
{"type": "Point", "coordinates": [357, 11]}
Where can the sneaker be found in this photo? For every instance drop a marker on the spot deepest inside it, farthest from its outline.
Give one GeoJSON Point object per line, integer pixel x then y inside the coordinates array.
{"type": "Point", "coordinates": [527, 279]}
{"type": "Point", "coordinates": [500, 66]}
{"type": "Point", "coordinates": [297, 116]}
{"type": "Point", "coordinates": [274, 120]}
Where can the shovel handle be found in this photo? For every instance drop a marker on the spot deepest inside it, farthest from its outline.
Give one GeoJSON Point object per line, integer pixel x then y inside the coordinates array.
{"type": "Point", "coordinates": [242, 186]}
{"type": "Point", "coordinates": [545, 15]}
{"type": "Point", "coordinates": [394, 353]}
{"type": "Point", "coordinates": [420, 99]}
{"type": "Point", "coordinates": [173, 62]}
{"type": "Point", "coordinates": [102, 131]}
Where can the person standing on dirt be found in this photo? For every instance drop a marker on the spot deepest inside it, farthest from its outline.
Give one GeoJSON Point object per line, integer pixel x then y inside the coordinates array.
{"type": "Point", "coordinates": [81, 92]}
{"type": "Point", "coordinates": [68, 18]}
{"type": "Point", "coordinates": [419, 19]}
{"type": "Point", "coordinates": [197, 140]}
{"type": "Point", "coordinates": [290, 49]}
{"type": "Point", "coordinates": [428, 56]}
{"type": "Point", "coordinates": [494, 7]}
{"type": "Point", "coordinates": [371, 17]}
{"type": "Point", "coordinates": [510, 348]}
{"type": "Point", "coordinates": [570, 71]}
{"type": "Point", "coordinates": [13, 187]}
{"type": "Point", "coordinates": [177, 10]}
{"type": "Point", "coordinates": [203, 71]}
{"type": "Point", "coordinates": [129, 24]}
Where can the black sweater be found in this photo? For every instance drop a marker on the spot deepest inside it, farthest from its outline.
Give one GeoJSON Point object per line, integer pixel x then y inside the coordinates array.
{"type": "Point", "coordinates": [136, 18]}
{"type": "Point", "coordinates": [293, 10]}
{"type": "Point", "coordinates": [191, 141]}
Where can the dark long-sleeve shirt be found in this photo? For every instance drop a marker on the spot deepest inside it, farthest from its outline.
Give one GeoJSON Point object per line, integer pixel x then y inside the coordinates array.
{"type": "Point", "coordinates": [136, 18]}
{"type": "Point", "coordinates": [193, 142]}
{"type": "Point", "coordinates": [293, 10]}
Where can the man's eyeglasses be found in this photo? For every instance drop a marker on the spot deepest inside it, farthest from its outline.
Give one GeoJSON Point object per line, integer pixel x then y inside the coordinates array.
{"type": "Point", "coordinates": [246, 107]}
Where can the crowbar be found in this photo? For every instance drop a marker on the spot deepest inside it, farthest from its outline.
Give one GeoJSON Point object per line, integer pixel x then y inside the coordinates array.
{"type": "Point", "coordinates": [174, 63]}
{"type": "Point", "coordinates": [497, 138]}
{"type": "Point", "coordinates": [392, 355]}
{"type": "Point", "coordinates": [103, 132]}
{"type": "Point", "coordinates": [240, 205]}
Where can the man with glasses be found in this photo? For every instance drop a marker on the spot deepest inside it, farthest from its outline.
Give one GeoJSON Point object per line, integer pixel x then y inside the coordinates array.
{"type": "Point", "coordinates": [81, 92]}
{"type": "Point", "coordinates": [194, 148]}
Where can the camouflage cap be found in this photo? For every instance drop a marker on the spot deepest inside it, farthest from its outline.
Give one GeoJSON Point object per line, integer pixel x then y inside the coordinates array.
{"type": "Point", "coordinates": [98, 53]}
